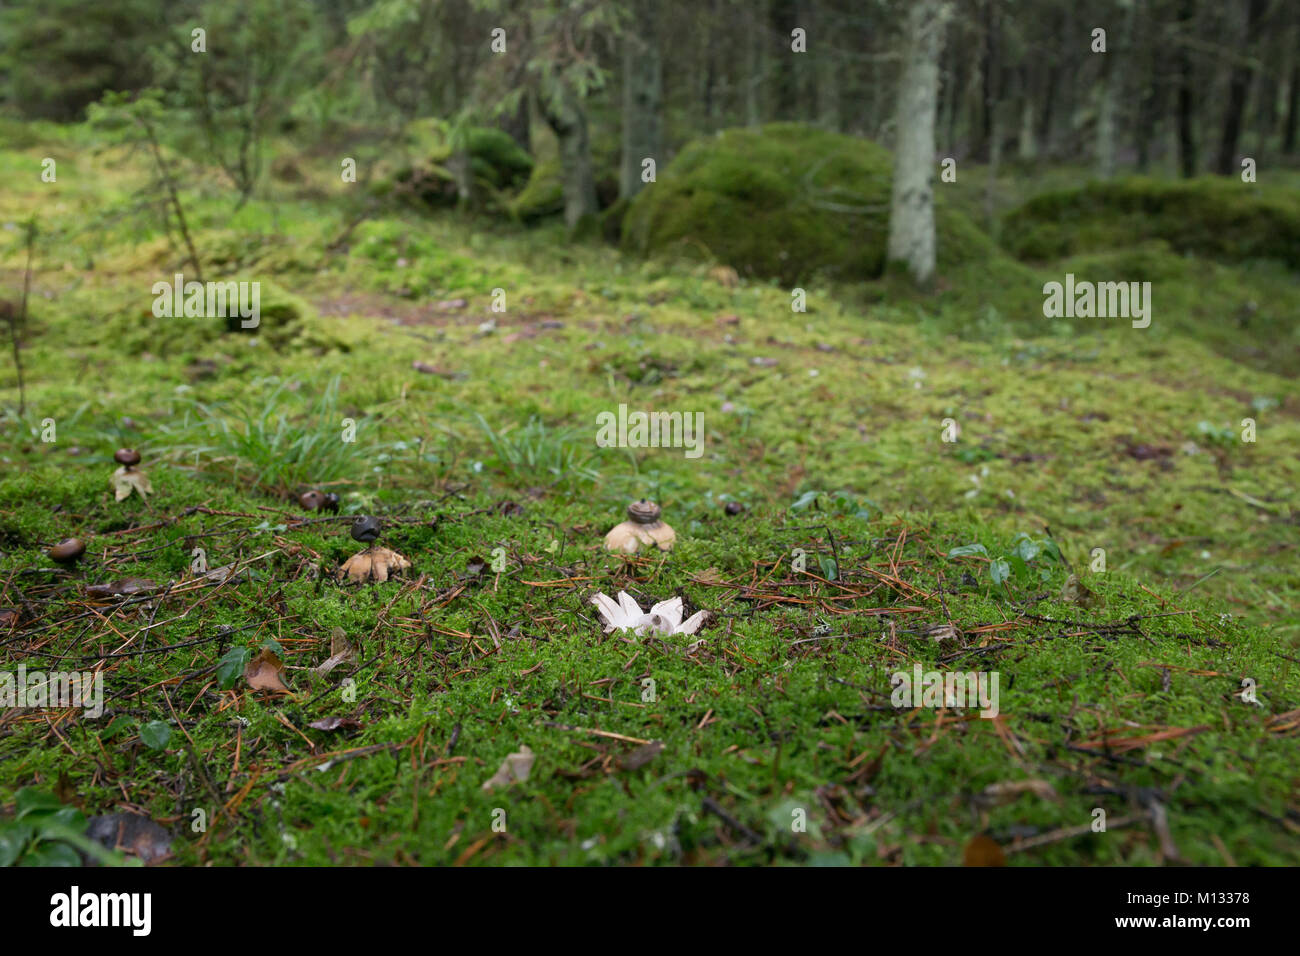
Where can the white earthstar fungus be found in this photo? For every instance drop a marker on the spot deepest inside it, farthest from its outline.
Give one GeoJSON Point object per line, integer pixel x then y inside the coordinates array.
{"type": "Point", "coordinates": [665, 618]}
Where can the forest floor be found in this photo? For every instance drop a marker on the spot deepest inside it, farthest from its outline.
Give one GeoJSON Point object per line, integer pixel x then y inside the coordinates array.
{"type": "Point", "coordinates": [770, 736]}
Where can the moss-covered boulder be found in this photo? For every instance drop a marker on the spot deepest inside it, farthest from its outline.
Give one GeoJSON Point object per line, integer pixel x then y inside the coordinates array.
{"type": "Point", "coordinates": [783, 201]}
{"type": "Point", "coordinates": [542, 197]}
{"type": "Point", "coordinates": [498, 166]}
{"type": "Point", "coordinates": [1223, 219]}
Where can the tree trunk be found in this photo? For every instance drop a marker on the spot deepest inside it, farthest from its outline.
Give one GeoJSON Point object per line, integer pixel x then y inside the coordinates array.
{"type": "Point", "coordinates": [1186, 102]}
{"type": "Point", "coordinates": [565, 115]}
{"type": "Point", "coordinates": [1238, 90]}
{"type": "Point", "coordinates": [754, 75]}
{"type": "Point", "coordinates": [643, 86]}
{"type": "Point", "coordinates": [1292, 105]}
{"type": "Point", "coordinates": [1151, 104]}
{"type": "Point", "coordinates": [516, 124]}
{"type": "Point", "coordinates": [1027, 146]}
{"type": "Point", "coordinates": [911, 214]}
{"type": "Point", "coordinates": [1112, 91]}
{"type": "Point", "coordinates": [785, 80]}
{"type": "Point", "coordinates": [1106, 110]}
{"type": "Point", "coordinates": [1048, 116]}
{"type": "Point", "coordinates": [989, 67]}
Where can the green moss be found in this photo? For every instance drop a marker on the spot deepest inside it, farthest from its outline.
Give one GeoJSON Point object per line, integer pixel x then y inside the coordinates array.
{"type": "Point", "coordinates": [1217, 218]}
{"type": "Point", "coordinates": [770, 710]}
{"type": "Point", "coordinates": [542, 197]}
{"type": "Point", "coordinates": [497, 165]}
{"type": "Point", "coordinates": [783, 201]}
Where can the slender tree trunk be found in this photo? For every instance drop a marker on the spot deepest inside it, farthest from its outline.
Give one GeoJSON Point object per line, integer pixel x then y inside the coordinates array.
{"type": "Point", "coordinates": [1187, 157]}
{"type": "Point", "coordinates": [1111, 91]}
{"type": "Point", "coordinates": [1048, 114]}
{"type": "Point", "coordinates": [783, 17]}
{"type": "Point", "coordinates": [1238, 91]}
{"type": "Point", "coordinates": [754, 53]}
{"type": "Point", "coordinates": [1292, 108]}
{"type": "Point", "coordinates": [1106, 121]}
{"type": "Point", "coordinates": [989, 67]}
{"type": "Point", "coordinates": [642, 99]}
{"type": "Point", "coordinates": [565, 115]}
{"type": "Point", "coordinates": [911, 216]}
{"type": "Point", "coordinates": [1027, 146]}
{"type": "Point", "coordinates": [1150, 105]}
{"type": "Point", "coordinates": [954, 92]}
{"type": "Point", "coordinates": [826, 73]}
{"type": "Point", "coordinates": [517, 123]}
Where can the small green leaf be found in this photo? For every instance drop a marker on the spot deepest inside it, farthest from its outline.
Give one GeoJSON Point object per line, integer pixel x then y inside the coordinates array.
{"type": "Point", "coordinates": [1028, 549]}
{"type": "Point", "coordinates": [51, 854]}
{"type": "Point", "coordinates": [999, 570]}
{"type": "Point", "coordinates": [967, 549]}
{"type": "Point", "coordinates": [118, 724]}
{"type": "Point", "coordinates": [155, 734]}
{"type": "Point", "coordinates": [32, 801]}
{"type": "Point", "coordinates": [13, 838]}
{"type": "Point", "coordinates": [805, 501]}
{"type": "Point", "coordinates": [829, 568]}
{"type": "Point", "coordinates": [231, 666]}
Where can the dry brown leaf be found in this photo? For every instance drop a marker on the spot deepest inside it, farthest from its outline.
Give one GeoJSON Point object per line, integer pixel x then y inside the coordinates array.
{"type": "Point", "coordinates": [335, 723]}
{"type": "Point", "coordinates": [263, 672]}
{"type": "Point", "coordinates": [943, 632]}
{"type": "Point", "coordinates": [1008, 790]}
{"type": "Point", "coordinates": [1075, 592]}
{"type": "Point", "coordinates": [123, 588]}
{"type": "Point", "coordinates": [983, 851]}
{"type": "Point", "coordinates": [125, 480]}
{"type": "Point", "coordinates": [516, 767]}
{"type": "Point", "coordinates": [341, 651]}
{"type": "Point", "coordinates": [642, 755]}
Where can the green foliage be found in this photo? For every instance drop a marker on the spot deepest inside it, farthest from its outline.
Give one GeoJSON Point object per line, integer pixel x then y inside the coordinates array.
{"type": "Point", "coordinates": [783, 201]}
{"type": "Point", "coordinates": [1217, 218]}
{"type": "Point", "coordinates": [1026, 560]}
{"type": "Point", "coordinates": [156, 734]}
{"type": "Point", "coordinates": [498, 166]}
{"type": "Point", "coordinates": [542, 197]}
{"type": "Point", "coordinates": [274, 444]}
{"type": "Point", "coordinates": [59, 56]}
{"type": "Point", "coordinates": [837, 503]}
{"type": "Point", "coordinates": [43, 832]}
{"type": "Point", "coordinates": [537, 454]}
{"type": "Point", "coordinates": [231, 666]}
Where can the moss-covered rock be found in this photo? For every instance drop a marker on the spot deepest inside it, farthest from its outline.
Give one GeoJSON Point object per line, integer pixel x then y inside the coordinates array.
{"type": "Point", "coordinates": [783, 201]}
{"type": "Point", "coordinates": [1218, 218]}
{"type": "Point", "coordinates": [497, 165]}
{"type": "Point", "coordinates": [542, 197]}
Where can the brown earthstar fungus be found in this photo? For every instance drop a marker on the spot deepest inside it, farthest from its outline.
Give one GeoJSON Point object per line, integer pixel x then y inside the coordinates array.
{"type": "Point", "coordinates": [314, 500]}
{"type": "Point", "coordinates": [375, 563]}
{"type": "Point", "coordinates": [129, 477]}
{"type": "Point", "coordinates": [733, 508]}
{"type": "Point", "coordinates": [67, 551]}
{"type": "Point", "coordinates": [643, 528]}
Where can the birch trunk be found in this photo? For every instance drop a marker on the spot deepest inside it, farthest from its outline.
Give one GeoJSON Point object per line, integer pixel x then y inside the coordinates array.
{"type": "Point", "coordinates": [911, 214]}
